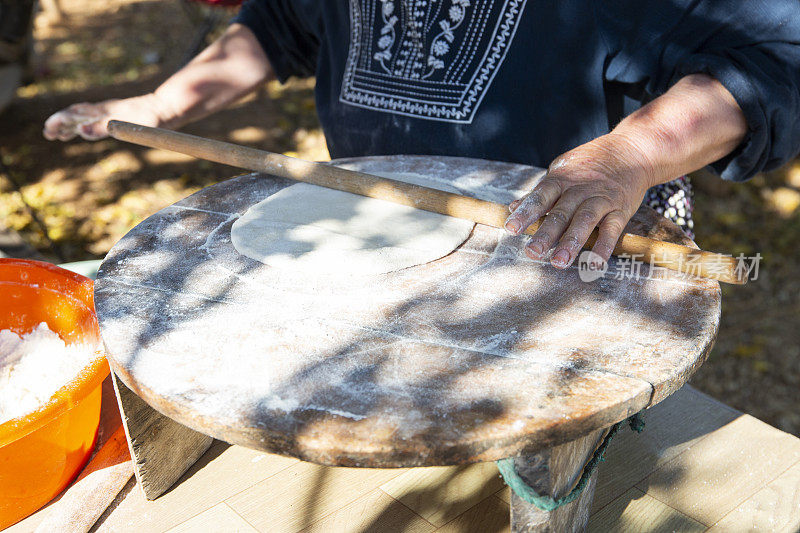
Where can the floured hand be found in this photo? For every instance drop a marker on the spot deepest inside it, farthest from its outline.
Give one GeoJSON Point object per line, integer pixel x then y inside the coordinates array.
{"type": "Point", "coordinates": [599, 184]}
{"type": "Point", "coordinates": [89, 121]}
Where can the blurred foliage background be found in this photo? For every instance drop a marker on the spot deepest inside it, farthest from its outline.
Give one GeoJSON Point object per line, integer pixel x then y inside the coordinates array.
{"type": "Point", "coordinates": [90, 194]}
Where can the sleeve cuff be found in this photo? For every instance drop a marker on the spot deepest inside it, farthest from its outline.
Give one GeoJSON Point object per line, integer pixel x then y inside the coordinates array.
{"type": "Point", "coordinates": [750, 156]}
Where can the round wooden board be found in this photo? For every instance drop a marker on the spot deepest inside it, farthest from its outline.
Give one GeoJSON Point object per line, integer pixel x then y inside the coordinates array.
{"type": "Point", "coordinates": [474, 357]}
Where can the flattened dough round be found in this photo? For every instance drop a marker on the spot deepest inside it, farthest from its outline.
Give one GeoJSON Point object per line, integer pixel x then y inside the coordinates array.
{"type": "Point", "coordinates": [311, 229]}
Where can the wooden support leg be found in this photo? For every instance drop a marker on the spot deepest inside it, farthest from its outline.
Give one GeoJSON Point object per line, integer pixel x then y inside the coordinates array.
{"type": "Point", "coordinates": [161, 449]}
{"type": "Point", "coordinates": [555, 472]}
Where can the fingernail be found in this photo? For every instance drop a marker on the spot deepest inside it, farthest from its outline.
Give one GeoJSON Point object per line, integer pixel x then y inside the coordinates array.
{"type": "Point", "coordinates": [561, 258]}
{"type": "Point", "coordinates": [512, 226]}
{"type": "Point", "coordinates": [536, 247]}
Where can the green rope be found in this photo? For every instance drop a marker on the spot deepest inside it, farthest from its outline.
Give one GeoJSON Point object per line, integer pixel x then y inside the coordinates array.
{"type": "Point", "coordinates": [547, 503]}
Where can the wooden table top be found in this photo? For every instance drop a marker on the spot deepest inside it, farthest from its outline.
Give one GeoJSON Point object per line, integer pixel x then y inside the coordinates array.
{"type": "Point", "coordinates": [477, 356]}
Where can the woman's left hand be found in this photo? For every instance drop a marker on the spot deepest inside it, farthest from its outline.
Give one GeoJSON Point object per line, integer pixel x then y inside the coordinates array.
{"type": "Point", "coordinates": [602, 183]}
{"type": "Point", "coordinates": [599, 184]}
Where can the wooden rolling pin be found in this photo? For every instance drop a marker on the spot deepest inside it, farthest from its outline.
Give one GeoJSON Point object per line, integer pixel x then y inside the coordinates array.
{"type": "Point", "coordinates": [663, 254]}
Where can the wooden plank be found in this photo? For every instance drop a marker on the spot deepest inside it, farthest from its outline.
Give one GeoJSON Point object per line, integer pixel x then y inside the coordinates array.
{"type": "Point", "coordinates": [668, 255]}
{"type": "Point", "coordinates": [673, 426]}
{"type": "Point", "coordinates": [97, 486]}
{"type": "Point", "coordinates": [218, 519]}
{"type": "Point", "coordinates": [637, 511]}
{"type": "Point", "coordinates": [776, 508]}
{"type": "Point", "coordinates": [719, 472]}
{"type": "Point", "coordinates": [440, 493]}
{"type": "Point", "coordinates": [300, 495]}
{"type": "Point", "coordinates": [109, 423]}
{"type": "Point", "coordinates": [221, 473]}
{"type": "Point", "coordinates": [554, 473]}
{"type": "Point", "coordinates": [228, 470]}
{"type": "Point", "coordinates": [489, 516]}
{"type": "Point", "coordinates": [411, 370]}
{"type": "Point", "coordinates": [162, 449]}
{"type": "Point", "coordinates": [373, 512]}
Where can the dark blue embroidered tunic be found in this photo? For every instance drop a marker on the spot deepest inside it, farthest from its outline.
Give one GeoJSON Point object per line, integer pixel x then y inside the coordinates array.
{"type": "Point", "coordinates": [525, 80]}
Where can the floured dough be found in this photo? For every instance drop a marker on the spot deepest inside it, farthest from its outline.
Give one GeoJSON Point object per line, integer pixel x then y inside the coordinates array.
{"type": "Point", "coordinates": [306, 228]}
{"type": "Point", "coordinates": [34, 366]}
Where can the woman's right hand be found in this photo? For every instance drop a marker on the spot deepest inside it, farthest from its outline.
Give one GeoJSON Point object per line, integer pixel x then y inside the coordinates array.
{"type": "Point", "coordinates": [231, 67]}
{"type": "Point", "coordinates": [89, 121]}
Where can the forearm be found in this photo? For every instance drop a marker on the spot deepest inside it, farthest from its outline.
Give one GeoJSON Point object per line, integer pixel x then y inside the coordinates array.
{"type": "Point", "coordinates": [602, 183]}
{"type": "Point", "coordinates": [695, 123]}
{"type": "Point", "coordinates": [230, 68]}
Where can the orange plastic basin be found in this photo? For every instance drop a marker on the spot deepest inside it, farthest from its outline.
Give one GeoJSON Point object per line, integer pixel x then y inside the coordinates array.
{"type": "Point", "coordinates": [41, 453]}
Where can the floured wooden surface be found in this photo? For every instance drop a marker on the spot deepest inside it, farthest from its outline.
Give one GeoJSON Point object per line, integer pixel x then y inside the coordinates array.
{"type": "Point", "coordinates": [473, 357]}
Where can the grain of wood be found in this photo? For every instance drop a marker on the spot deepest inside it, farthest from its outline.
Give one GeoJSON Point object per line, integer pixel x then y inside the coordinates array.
{"type": "Point", "coordinates": [97, 486]}
{"type": "Point", "coordinates": [489, 516]}
{"type": "Point", "coordinates": [673, 426]}
{"type": "Point", "coordinates": [554, 473]}
{"type": "Point", "coordinates": [522, 367]}
{"type": "Point", "coordinates": [218, 519]}
{"type": "Point", "coordinates": [372, 513]}
{"type": "Point", "coordinates": [666, 255]}
{"type": "Point", "coordinates": [723, 470]}
{"type": "Point", "coordinates": [440, 493]}
{"type": "Point", "coordinates": [457, 372]}
{"type": "Point", "coordinates": [227, 470]}
{"type": "Point", "coordinates": [298, 496]}
{"type": "Point", "coordinates": [221, 473]}
{"type": "Point", "coordinates": [774, 508]}
{"type": "Point", "coordinates": [162, 449]}
{"type": "Point", "coordinates": [637, 511]}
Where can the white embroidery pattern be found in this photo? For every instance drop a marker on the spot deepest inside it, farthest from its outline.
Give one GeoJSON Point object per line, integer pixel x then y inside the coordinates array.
{"type": "Point", "coordinates": [430, 59]}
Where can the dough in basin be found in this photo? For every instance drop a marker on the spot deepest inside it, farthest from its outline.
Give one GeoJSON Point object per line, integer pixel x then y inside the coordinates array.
{"type": "Point", "coordinates": [311, 229]}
